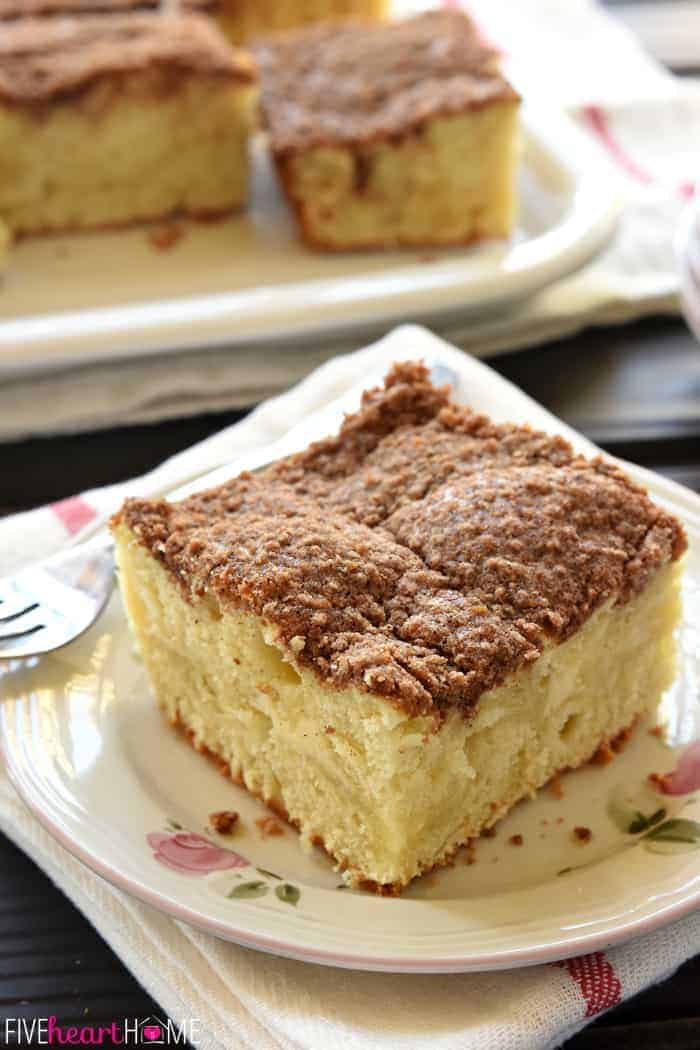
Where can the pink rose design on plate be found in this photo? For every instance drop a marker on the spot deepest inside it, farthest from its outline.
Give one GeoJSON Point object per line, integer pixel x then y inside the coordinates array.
{"type": "Point", "coordinates": [192, 854]}
{"type": "Point", "coordinates": [685, 777]}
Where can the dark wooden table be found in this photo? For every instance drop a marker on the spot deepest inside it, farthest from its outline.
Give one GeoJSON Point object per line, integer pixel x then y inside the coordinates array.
{"type": "Point", "coordinates": [635, 390]}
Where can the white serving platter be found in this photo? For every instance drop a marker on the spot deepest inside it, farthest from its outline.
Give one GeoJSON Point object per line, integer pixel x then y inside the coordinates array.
{"type": "Point", "coordinates": [248, 280]}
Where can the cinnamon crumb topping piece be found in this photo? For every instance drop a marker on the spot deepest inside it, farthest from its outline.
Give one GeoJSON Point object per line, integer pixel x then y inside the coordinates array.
{"type": "Point", "coordinates": [582, 834]}
{"type": "Point", "coordinates": [516, 840]}
{"type": "Point", "coordinates": [423, 554]}
{"type": "Point", "coordinates": [224, 821]}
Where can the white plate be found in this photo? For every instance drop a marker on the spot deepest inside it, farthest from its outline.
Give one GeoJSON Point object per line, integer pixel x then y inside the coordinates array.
{"type": "Point", "coordinates": [90, 755]}
{"type": "Point", "coordinates": [106, 295]}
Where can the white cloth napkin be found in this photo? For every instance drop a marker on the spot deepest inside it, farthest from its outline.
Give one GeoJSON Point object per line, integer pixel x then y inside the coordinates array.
{"type": "Point", "coordinates": [243, 999]}
{"type": "Point", "coordinates": [568, 52]}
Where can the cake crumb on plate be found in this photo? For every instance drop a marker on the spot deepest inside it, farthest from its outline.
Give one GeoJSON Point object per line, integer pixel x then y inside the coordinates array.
{"type": "Point", "coordinates": [224, 821]}
{"type": "Point", "coordinates": [269, 827]}
{"type": "Point", "coordinates": [582, 834]}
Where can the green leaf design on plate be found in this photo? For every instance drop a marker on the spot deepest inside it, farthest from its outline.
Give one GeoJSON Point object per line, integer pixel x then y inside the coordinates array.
{"type": "Point", "coordinates": [633, 808]}
{"type": "Point", "coordinates": [680, 830]}
{"type": "Point", "coordinates": [249, 890]}
{"type": "Point", "coordinates": [642, 823]}
{"type": "Point", "coordinates": [287, 893]}
{"type": "Point", "coordinates": [269, 874]}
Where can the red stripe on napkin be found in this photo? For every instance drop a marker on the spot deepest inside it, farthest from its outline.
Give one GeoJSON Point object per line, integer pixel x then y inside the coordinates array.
{"type": "Point", "coordinates": [598, 123]}
{"type": "Point", "coordinates": [598, 983]}
{"type": "Point", "coordinates": [74, 513]}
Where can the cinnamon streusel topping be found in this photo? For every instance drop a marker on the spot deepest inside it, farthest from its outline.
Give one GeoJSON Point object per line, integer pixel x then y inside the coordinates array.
{"type": "Point", "coordinates": [11, 9]}
{"type": "Point", "coordinates": [423, 553]}
{"type": "Point", "coordinates": [43, 59]}
{"type": "Point", "coordinates": [362, 81]}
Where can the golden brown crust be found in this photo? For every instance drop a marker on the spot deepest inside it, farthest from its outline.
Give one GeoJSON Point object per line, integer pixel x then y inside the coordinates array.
{"type": "Point", "coordinates": [360, 82]}
{"type": "Point", "coordinates": [424, 553]}
{"type": "Point", "coordinates": [45, 59]}
{"type": "Point", "coordinates": [202, 215]}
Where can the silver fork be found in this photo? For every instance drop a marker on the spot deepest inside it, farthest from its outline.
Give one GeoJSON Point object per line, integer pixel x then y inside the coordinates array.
{"type": "Point", "coordinates": [50, 604]}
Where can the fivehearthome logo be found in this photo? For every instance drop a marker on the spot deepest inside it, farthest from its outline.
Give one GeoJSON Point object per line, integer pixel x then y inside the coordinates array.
{"type": "Point", "coordinates": [128, 1031]}
{"type": "Point", "coordinates": [153, 1031]}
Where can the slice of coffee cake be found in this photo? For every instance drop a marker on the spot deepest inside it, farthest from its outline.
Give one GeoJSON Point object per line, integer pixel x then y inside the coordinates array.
{"type": "Point", "coordinates": [109, 119]}
{"type": "Point", "coordinates": [395, 134]}
{"type": "Point", "coordinates": [395, 635]}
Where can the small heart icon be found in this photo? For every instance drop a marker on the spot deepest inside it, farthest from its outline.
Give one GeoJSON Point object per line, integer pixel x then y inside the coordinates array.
{"type": "Point", "coordinates": [151, 1032]}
